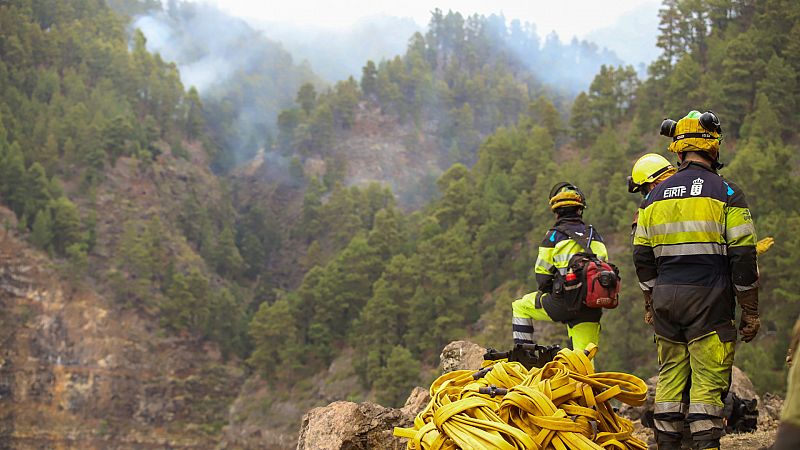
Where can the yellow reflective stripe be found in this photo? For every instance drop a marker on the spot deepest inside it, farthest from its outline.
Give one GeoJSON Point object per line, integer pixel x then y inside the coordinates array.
{"type": "Point", "coordinates": [685, 209]}
{"type": "Point", "coordinates": [701, 248]}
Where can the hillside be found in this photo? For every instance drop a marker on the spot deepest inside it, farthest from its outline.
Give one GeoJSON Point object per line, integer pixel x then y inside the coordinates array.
{"type": "Point", "coordinates": [152, 294]}
{"type": "Point", "coordinates": [78, 372]}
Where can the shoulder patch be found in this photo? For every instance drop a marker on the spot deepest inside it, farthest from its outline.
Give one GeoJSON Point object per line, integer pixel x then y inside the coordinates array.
{"type": "Point", "coordinates": [553, 237]}
{"type": "Point", "coordinates": [730, 189]}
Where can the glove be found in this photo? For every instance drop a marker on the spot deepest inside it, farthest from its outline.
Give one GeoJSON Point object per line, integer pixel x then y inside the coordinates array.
{"type": "Point", "coordinates": [648, 307]}
{"type": "Point", "coordinates": [750, 323]}
{"type": "Point", "coordinates": [764, 244]}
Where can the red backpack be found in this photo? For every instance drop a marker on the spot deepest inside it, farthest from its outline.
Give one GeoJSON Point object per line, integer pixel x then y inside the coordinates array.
{"type": "Point", "coordinates": [588, 280]}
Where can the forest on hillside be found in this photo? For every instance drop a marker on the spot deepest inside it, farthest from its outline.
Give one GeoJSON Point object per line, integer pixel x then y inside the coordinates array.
{"type": "Point", "coordinates": [85, 106]}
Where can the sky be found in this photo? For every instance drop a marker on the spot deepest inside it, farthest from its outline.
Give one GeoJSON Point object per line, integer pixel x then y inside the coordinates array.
{"type": "Point", "coordinates": [568, 18]}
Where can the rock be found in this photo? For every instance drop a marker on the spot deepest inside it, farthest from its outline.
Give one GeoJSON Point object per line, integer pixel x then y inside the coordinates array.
{"type": "Point", "coordinates": [461, 355]}
{"type": "Point", "coordinates": [416, 402]}
{"type": "Point", "coordinates": [352, 426]}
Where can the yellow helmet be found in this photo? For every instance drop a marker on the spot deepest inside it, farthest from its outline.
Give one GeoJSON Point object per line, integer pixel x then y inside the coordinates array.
{"type": "Point", "coordinates": [648, 169]}
{"type": "Point", "coordinates": [695, 132]}
{"type": "Point", "coordinates": [566, 194]}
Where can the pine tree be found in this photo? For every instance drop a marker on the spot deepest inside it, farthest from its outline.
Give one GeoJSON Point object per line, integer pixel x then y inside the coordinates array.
{"type": "Point", "coordinates": [195, 123]}
{"type": "Point", "coordinates": [741, 68]}
{"type": "Point", "coordinates": [669, 39]}
{"type": "Point", "coordinates": [398, 378]}
{"type": "Point", "coordinates": [13, 178]}
{"type": "Point", "coordinates": [42, 233]}
{"type": "Point", "coordinates": [580, 120]}
{"type": "Point", "coordinates": [369, 80]}
{"type": "Point", "coordinates": [36, 192]}
{"type": "Point", "coordinates": [276, 344]}
{"type": "Point", "coordinates": [66, 225]}
{"type": "Point", "coordinates": [307, 98]}
{"type": "Point", "coordinates": [780, 86]}
{"type": "Point", "coordinates": [227, 259]}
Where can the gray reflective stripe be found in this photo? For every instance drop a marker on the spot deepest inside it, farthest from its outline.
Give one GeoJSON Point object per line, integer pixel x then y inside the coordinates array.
{"type": "Point", "coordinates": [640, 231]}
{"type": "Point", "coordinates": [562, 270]}
{"type": "Point", "coordinates": [740, 230]}
{"type": "Point", "coordinates": [741, 288]}
{"type": "Point", "coordinates": [687, 226]}
{"type": "Point", "coordinates": [544, 264]}
{"type": "Point", "coordinates": [670, 407]}
{"type": "Point", "coordinates": [703, 408]}
{"type": "Point", "coordinates": [704, 425]}
{"type": "Point", "coordinates": [703, 248]}
{"type": "Point", "coordinates": [647, 285]}
{"type": "Point", "coordinates": [523, 336]}
{"type": "Point", "coordinates": [522, 321]}
{"type": "Point", "coordinates": [562, 257]}
{"type": "Point", "coordinates": [672, 426]}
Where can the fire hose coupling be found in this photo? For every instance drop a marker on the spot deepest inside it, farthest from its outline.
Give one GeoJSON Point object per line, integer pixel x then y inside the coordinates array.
{"type": "Point", "coordinates": [493, 391]}
{"type": "Point", "coordinates": [481, 373]}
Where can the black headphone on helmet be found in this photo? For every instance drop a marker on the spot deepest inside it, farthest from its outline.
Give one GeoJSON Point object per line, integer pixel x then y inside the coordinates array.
{"type": "Point", "coordinates": [708, 120]}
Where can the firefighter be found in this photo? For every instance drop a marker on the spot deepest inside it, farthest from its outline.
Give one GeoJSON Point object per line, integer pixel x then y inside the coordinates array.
{"type": "Point", "coordinates": [788, 437]}
{"type": "Point", "coordinates": [648, 171]}
{"type": "Point", "coordinates": [555, 252]}
{"type": "Point", "coordinates": [695, 255]}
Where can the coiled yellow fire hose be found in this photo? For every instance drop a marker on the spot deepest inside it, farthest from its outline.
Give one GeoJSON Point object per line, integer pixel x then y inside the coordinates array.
{"type": "Point", "coordinates": [562, 406]}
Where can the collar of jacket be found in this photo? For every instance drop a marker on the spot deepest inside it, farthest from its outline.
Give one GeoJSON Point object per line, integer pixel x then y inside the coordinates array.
{"type": "Point", "coordinates": [703, 165]}
{"type": "Point", "coordinates": [569, 219]}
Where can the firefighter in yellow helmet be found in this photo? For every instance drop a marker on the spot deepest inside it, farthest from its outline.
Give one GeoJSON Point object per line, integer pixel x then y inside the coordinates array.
{"type": "Point", "coordinates": [648, 171]}
{"type": "Point", "coordinates": [555, 252]}
{"type": "Point", "coordinates": [695, 255]}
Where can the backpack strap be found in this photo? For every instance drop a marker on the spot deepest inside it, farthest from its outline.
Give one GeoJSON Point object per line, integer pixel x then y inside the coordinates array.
{"type": "Point", "coordinates": [584, 241]}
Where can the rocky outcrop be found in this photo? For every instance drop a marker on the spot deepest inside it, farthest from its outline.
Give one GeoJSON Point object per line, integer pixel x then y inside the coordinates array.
{"type": "Point", "coordinates": [78, 372]}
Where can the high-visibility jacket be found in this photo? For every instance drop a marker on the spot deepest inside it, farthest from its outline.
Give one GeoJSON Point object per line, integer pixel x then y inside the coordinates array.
{"type": "Point", "coordinates": [555, 251]}
{"type": "Point", "coordinates": [694, 246]}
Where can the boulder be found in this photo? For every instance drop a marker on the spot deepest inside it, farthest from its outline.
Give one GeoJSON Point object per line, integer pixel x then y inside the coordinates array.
{"type": "Point", "coordinates": [416, 402]}
{"type": "Point", "coordinates": [352, 426]}
{"type": "Point", "coordinates": [461, 355]}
